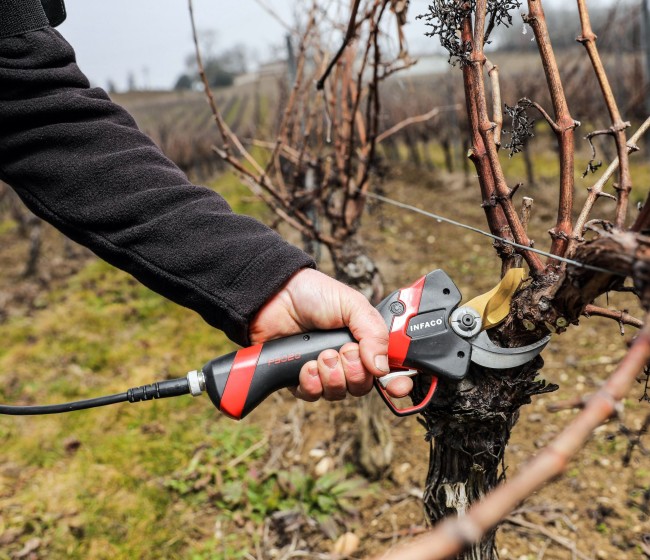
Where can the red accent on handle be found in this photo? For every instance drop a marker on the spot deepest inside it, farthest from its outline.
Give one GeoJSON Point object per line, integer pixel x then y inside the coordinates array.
{"type": "Point", "coordinates": [409, 409]}
{"type": "Point", "coordinates": [398, 346]}
{"type": "Point", "coordinates": [398, 340]}
{"type": "Point", "coordinates": [239, 381]}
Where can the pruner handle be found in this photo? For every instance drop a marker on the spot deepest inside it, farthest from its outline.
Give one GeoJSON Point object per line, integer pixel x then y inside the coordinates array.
{"type": "Point", "coordinates": [382, 382]}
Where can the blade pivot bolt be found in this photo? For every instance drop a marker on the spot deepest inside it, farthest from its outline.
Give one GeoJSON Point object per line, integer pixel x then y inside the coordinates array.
{"type": "Point", "coordinates": [466, 321]}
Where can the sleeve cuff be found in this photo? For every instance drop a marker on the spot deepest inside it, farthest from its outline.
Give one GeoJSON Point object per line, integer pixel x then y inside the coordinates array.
{"type": "Point", "coordinates": [257, 283]}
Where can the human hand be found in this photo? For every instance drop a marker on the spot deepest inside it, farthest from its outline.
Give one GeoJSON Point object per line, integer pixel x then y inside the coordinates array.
{"type": "Point", "coordinates": [311, 300]}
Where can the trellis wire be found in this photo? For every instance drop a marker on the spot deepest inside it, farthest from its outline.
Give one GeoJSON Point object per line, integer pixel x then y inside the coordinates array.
{"type": "Point", "coordinates": [449, 221]}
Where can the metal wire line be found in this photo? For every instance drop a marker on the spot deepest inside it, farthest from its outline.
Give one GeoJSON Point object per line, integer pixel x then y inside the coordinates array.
{"type": "Point", "coordinates": [440, 218]}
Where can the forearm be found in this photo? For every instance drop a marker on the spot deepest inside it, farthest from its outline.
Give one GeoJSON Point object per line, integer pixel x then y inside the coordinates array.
{"type": "Point", "coordinates": [79, 161]}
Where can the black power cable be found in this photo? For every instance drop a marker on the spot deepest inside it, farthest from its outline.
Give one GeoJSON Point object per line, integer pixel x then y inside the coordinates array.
{"type": "Point", "coordinates": [159, 390]}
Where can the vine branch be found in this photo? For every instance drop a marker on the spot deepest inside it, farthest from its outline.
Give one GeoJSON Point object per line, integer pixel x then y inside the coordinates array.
{"type": "Point", "coordinates": [622, 317]}
{"type": "Point", "coordinates": [597, 189]}
{"type": "Point", "coordinates": [564, 129]}
{"type": "Point", "coordinates": [485, 151]}
{"type": "Point", "coordinates": [349, 35]}
{"type": "Point", "coordinates": [617, 130]}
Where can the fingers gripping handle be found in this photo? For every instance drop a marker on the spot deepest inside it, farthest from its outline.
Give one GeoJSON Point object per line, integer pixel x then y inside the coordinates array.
{"type": "Point", "coordinates": [238, 382]}
{"type": "Point", "coordinates": [420, 339]}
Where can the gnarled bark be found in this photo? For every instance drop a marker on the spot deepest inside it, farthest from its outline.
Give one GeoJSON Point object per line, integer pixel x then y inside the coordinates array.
{"type": "Point", "coordinates": [354, 267]}
{"type": "Point", "coordinates": [469, 424]}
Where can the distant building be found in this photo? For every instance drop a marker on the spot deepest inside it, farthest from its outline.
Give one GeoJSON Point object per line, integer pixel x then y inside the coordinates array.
{"type": "Point", "coordinates": [275, 69]}
{"type": "Point", "coordinates": [426, 65]}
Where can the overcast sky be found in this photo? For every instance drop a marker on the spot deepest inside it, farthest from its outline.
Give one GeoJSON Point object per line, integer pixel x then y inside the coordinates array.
{"type": "Point", "coordinates": [152, 38]}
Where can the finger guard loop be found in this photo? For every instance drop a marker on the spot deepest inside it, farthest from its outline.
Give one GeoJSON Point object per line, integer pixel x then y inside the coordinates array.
{"type": "Point", "coordinates": [408, 411]}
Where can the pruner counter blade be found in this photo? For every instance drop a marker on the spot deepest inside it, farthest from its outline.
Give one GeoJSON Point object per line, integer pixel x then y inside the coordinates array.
{"type": "Point", "coordinates": [487, 354]}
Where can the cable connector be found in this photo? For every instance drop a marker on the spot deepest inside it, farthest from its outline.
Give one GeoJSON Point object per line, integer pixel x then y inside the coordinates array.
{"type": "Point", "coordinates": [159, 390]}
{"type": "Point", "coordinates": [196, 382]}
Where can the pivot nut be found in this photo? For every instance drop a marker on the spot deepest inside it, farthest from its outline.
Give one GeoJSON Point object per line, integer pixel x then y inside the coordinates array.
{"type": "Point", "coordinates": [397, 308]}
{"type": "Point", "coordinates": [466, 321]}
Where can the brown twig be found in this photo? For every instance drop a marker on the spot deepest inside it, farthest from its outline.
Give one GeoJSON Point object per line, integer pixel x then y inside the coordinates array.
{"type": "Point", "coordinates": [414, 120]}
{"type": "Point", "coordinates": [349, 35]}
{"type": "Point", "coordinates": [402, 533]}
{"type": "Point", "coordinates": [218, 119]}
{"type": "Point", "coordinates": [542, 112]}
{"type": "Point", "coordinates": [303, 225]}
{"type": "Point", "coordinates": [355, 90]}
{"type": "Point", "coordinates": [451, 535]}
{"type": "Point", "coordinates": [566, 543]}
{"type": "Point", "coordinates": [577, 402]}
{"type": "Point", "coordinates": [588, 39]}
{"type": "Point", "coordinates": [622, 317]}
{"type": "Point", "coordinates": [526, 209]}
{"type": "Point", "coordinates": [634, 439]}
{"type": "Point", "coordinates": [268, 9]}
{"type": "Point", "coordinates": [291, 103]}
{"type": "Point", "coordinates": [565, 126]}
{"type": "Point", "coordinates": [258, 180]}
{"type": "Point", "coordinates": [373, 110]}
{"type": "Point", "coordinates": [226, 134]}
{"type": "Point", "coordinates": [596, 190]}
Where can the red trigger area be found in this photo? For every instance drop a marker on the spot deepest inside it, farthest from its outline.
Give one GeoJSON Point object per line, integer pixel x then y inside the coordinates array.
{"type": "Point", "coordinates": [398, 340]}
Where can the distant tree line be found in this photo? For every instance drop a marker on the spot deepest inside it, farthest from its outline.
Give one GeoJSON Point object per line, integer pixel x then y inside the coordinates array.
{"type": "Point", "coordinates": [220, 68]}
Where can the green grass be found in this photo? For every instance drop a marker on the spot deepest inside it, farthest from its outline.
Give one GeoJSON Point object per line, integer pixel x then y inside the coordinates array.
{"type": "Point", "coordinates": [230, 115]}
{"type": "Point", "coordinates": [101, 333]}
{"type": "Point", "coordinates": [6, 226]}
{"type": "Point", "coordinates": [117, 482]}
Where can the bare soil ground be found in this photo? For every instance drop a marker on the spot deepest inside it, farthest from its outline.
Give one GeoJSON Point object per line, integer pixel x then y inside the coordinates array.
{"type": "Point", "coordinates": [598, 510]}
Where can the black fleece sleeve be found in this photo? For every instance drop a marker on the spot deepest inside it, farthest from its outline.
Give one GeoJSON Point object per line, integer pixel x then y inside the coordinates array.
{"type": "Point", "coordinates": [79, 161]}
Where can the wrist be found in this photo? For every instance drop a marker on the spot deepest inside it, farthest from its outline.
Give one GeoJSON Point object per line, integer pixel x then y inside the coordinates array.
{"type": "Point", "coordinates": [277, 314]}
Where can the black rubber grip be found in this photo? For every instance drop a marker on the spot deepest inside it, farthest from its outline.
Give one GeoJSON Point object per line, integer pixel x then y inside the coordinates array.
{"type": "Point", "coordinates": [240, 381]}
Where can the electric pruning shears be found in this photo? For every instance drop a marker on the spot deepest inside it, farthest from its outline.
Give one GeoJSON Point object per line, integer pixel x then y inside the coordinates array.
{"type": "Point", "coordinates": [428, 334]}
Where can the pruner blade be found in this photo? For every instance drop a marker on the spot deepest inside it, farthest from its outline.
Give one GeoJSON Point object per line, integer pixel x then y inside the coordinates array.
{"type": "Point", "coordinates": [488, 354]}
